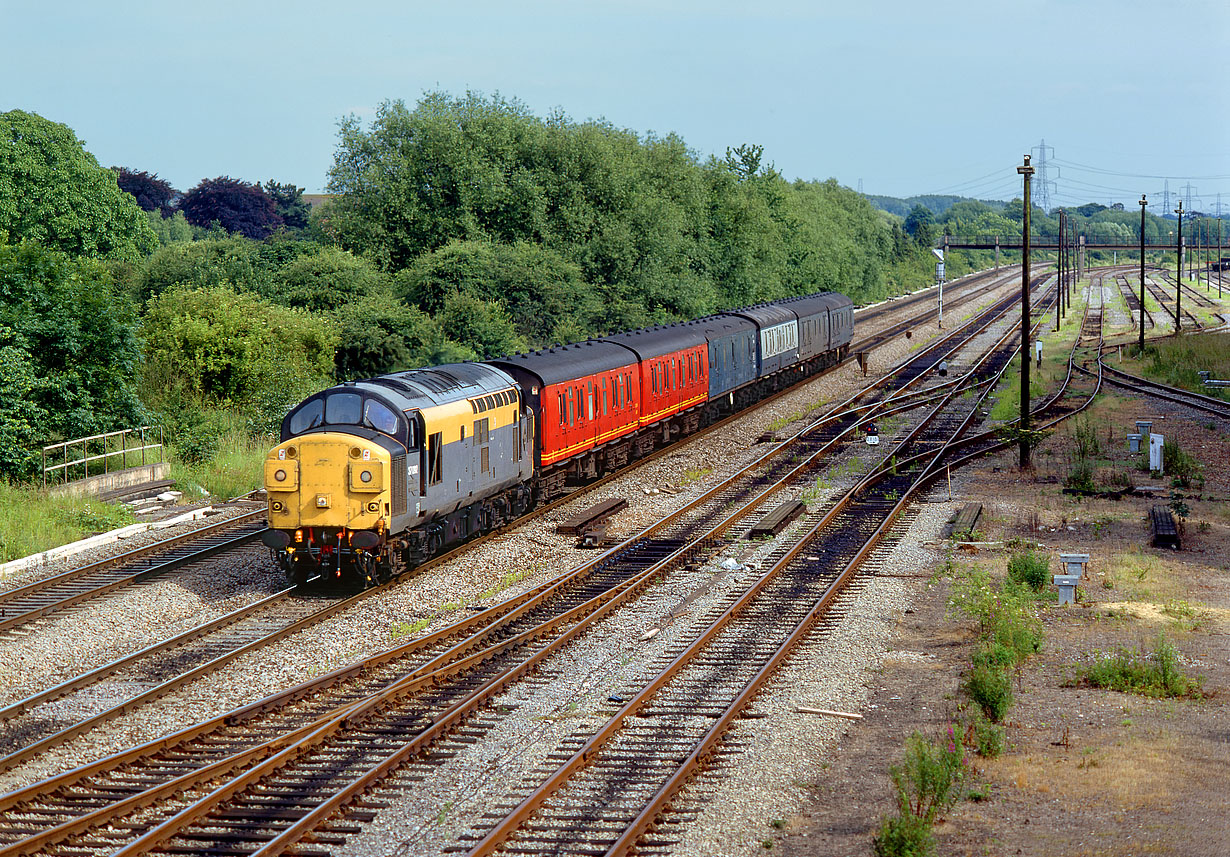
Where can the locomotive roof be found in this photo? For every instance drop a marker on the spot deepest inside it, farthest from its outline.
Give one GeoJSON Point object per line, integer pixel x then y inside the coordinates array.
{"type": "Point", "coordinates": [420, 388]}
{"type": "Point", "coordinates": [569, 362]}
{"type": "Point", "coordinates": [650, 342]}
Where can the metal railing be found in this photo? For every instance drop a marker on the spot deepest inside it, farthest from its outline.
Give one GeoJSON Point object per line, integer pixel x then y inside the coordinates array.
{"type": "Point", "coordinates": [87, 449]}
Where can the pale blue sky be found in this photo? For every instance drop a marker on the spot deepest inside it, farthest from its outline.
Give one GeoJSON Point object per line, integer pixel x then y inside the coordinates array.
{"type": "Point", "coordinates": [911, 97]}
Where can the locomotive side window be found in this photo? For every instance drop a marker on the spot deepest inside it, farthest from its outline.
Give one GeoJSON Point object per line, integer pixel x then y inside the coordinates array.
{"type": "Point", "coordinates": [308, 417]}
{"type": "Point", "coordinates": [435, 458]}
{"type": "Point", "coordinates": [344, 409]}
{"type": "Point", "coordinates": [379, 417]}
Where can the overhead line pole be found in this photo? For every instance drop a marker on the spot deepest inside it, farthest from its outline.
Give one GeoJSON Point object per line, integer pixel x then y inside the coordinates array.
{"type": "Point", "coordinates": [1026, 170]}
{"type": "Point", "coordinates": [1178, 286]}
{"type": "Point", "coordinates": [1143, 203]}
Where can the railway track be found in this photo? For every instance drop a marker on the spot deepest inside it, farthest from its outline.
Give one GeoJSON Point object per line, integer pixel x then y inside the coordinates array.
{"type": "Point", "coordinates": [23, 606]}
{"type": "Point", "coordinates": [1175, 395]}
{"type": "Point", "coordinates": [220, 744]}
{"type": "Point", "coordinates": [32, 725]}
{"type": "Point", "coordinates": [618, 785]}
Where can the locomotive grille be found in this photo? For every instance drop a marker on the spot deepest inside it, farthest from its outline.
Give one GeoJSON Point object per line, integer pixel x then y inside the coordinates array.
{"type": "Point", "coordinates": [398, 484]}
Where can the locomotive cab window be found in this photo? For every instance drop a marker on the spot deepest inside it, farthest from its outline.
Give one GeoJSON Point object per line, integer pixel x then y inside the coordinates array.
{"type": "Point", "coordinates": [307, 417]}
{"type": "Point", "coordinates": [380, 417]}
{"type": "Point", "coordinates": [344, 409]}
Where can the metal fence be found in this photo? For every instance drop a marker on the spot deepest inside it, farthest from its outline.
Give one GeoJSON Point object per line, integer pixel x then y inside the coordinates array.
{"type": "Point", "coordinates": [73, 457]}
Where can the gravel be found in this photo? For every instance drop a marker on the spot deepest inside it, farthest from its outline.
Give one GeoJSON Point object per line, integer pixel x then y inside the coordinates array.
{"type": "Point", "coordinates": [831, 673]}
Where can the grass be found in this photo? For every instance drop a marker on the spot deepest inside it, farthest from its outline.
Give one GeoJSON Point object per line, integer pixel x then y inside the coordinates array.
{"type": "Point", "coordinates": [235, 469]}
{"type": "Point", "coordinates": [32, 521]}
{"type": "Point", "coordinates": [510, 579]}
{"type": "Point", "coordinates": [1155, 673]}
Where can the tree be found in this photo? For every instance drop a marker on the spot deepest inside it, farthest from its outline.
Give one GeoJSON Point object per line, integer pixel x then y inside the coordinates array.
{"type": "Point", "coordinates": [325, 280]}
{"type": "Point", "coordinates": [19, 415]}
{"type": "Point", "coordinates": [289, 205]}
{"type": "Point", "coordinates": [920, 225]}
{"type": "Point", "coordinates": [151, 192]}
{"type": "Point", "coordinates": [237, 206]}
{"type": "Point", "coordinates": [79, 333]}
{"type": "Point", "coordinates": [544, 295]}
{"type": "Point", "coordinates": [53, 191]}
{"type": "Point", "coordinates": [220, 345]}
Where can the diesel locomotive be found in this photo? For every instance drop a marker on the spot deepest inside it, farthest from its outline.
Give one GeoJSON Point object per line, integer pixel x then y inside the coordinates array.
{"type": "Point", "coordinates": [375, 476]}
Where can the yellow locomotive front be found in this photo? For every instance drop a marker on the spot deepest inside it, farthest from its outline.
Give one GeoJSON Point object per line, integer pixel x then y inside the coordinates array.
{"type": "Point", "coordinates": [329, 505]}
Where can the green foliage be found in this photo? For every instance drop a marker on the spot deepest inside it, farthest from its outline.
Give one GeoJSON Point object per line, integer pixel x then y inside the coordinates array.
{"type": "Point", "coordinates": [19, 415]}
{"type": "Point", "coordinates": [174, 229]}
{"type": "Point", "coordinates": [1029, 568]}
{"type": "Point", "coordinates": [929, 778]}
{"type": "Point", "coordinates": [237, 206]}
{"type": "Point", "coordinates": [233, 465]}
{"type": "Point", "coordinates": [64, 318]}
{"type": "Point", "coordinates": [325, 280]}
{"type": "Point", "coordinates": [544, 296]}
{"type": "Point", "coordinates": [211, 262]}
{"type": "Point", "coordinates": [219, 345]}
{"type": "Point", "coordinates": [289, 205]}
{"type": "Point", "coordinates": [1156, 673]}
{"type": "Point", "coordinates": [1182, 467]}
{"type": "Point", "coordinates": [476, 195]}
{"type": "Point", "coordinates": [904, 835]}
{"type": "Point", "coordinates": [378, 336]}
{"type": "Point", "coordinates": [990, 686]}
{"type": "Point", "coordinates": [54, 192]}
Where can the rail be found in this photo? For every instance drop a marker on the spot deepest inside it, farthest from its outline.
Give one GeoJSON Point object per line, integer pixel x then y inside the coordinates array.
{"type": "Point", "coordinates": [107, 439]}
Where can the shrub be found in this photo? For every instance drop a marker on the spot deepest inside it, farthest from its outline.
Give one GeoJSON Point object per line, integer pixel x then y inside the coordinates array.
{"type": "Point", "coordinates": [1180, 465]}
{"type": "Point", "coordinates": [928, 779]}
{"type": "Point", "coordinates": [1028, 568]}
{"type": "Point", "coordinates": [1085, 434]}
{"type": "Point", "coordinates": [904, 835]}
{"type": "Point", "coordinates": [990, 686]}
{"type": "Point", "coordinates": [1080, 476]}
{"type": "Point", "coordinates": [1155, 674]}
{"type": "Point", "coordinates": [984, 737]}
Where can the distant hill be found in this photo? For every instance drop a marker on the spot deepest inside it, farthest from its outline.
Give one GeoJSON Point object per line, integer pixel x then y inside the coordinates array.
{"type": "Point", "coordinates": [936, 203]}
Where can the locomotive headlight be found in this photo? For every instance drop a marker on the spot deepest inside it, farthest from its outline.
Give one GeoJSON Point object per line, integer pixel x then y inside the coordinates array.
{"type": "Point", "coordinates": [276, 505]}
{"type": "Point", "coordinates": [280, 476]}
{"type": "Point", "coordinates": [373, 507]}
{"type": "Point", "coordinates": [365, 476]}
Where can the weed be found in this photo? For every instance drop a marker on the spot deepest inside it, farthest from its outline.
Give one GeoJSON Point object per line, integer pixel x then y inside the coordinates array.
{"type": "Point", "coordinates": [929, 777]}
{"type": "Point", "coordinates": [778, 823]}
{"type": "Point", "coordinates": [1182, 467]}
{"type": "Point", "coordinates": [1085, 434]}
{"type": "Point", "coordinates": [1028, 568]}
{"type": "Point", "coordinates": [979, 793]}
{"type": "Point", "coordinates": [405, 629]}
{"type": "Point", "coordinates": [984, 737]}
{"type": "Point", "coordinates": [990, 686]}
{"type": "Point", "coordinates": [1155, 674]}
{"type": "Point", "coordinates": [904, 835]}
{"type": "Point", "coordinates": [1080, 476]}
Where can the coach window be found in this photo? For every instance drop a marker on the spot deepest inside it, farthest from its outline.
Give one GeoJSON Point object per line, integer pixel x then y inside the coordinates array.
{"type": "Point", "coordinates": [562, 411]}
{"type": "Point", "coordinates": [605, 409]}
{"type": "Point", "coordinates": [591, 400]}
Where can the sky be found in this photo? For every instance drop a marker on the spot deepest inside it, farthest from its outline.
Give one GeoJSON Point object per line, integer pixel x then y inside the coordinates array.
{"type": "Point", "coordinates": [942, 96]}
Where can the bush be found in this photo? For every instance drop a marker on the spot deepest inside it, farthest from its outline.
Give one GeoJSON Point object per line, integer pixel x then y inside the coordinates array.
{"type": "Point", "coordinates": [990, 686]}
{"type": "Point", "coordinates": [984, 737]}
{"type": "Point", "coordinates": [1029, 569]}
{"type": "Point", "coordinates": [904, 835]}
{"type": "Point", "coordinates": [1080, 476]}
{"type": "Point", "coordinates": [1182, 467]}
{"type": "Point", "coordinates": [1155, 674]}
{"type": "Point", "coordinates": [928, 779]}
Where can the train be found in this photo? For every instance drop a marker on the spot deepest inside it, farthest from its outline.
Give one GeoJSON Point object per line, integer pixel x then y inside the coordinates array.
{"type": "Point", "coordinates": [374, 477]}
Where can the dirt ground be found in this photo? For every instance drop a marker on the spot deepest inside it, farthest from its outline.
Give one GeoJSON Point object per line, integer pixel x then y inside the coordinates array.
{"type": "Point", "coordinates": [1086, 771]}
